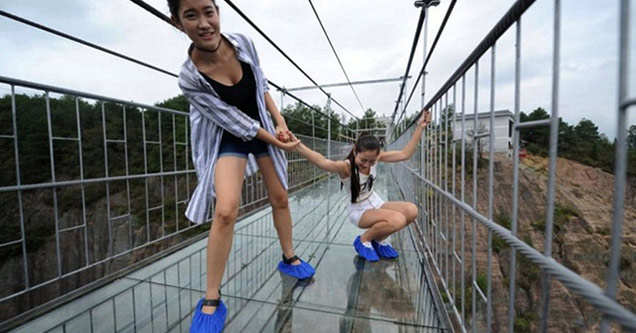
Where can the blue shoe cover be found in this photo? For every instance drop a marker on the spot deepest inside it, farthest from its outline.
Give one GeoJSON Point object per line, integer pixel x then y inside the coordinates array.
{"type": "Point", "coordinates": [207, 323]}
{"type": "Point", "coordinates": [302, 271]}
{"type": "Point", "coordinates": [385, 250]}
{"type": "Point", "coordinates": [365, 252]}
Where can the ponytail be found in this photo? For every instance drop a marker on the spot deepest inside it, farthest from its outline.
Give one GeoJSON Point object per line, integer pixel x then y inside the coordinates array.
{"type": "Point", "coordinates": [354, 175]}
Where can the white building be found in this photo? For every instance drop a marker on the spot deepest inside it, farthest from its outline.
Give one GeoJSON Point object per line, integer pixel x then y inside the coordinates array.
{"type": "Point", "coordinates": [379, 129]}
{"type": "Point", "coordinates": [504, 121]}
{"type": "Point", "coordinates": [381, 132]}
{"type": "Point", "coordinates": [384, 120]}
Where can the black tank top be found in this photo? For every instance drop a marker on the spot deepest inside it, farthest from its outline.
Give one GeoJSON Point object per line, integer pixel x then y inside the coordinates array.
{"type": "Point", "coordinates": [242, 95]}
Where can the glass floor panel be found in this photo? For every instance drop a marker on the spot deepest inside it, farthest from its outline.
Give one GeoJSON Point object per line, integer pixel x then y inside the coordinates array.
{"type": "Point", "coordinates": [347, 294]}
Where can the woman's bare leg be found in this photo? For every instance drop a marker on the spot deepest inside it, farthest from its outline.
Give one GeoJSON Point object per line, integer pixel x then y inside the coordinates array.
{"type": "Point", "coordinates": [380, 223]}
{"type": "Point", "coordinates": [228, 180]}
{"type": "Point", "coordinates": [408, 209]}
{"type": "Point", "coordinates": [280, 206]}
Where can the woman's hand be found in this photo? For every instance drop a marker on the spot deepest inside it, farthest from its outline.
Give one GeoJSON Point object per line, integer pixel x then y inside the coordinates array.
{"type": "Point", "coordinates": [288, 146]}
{"type": "Point", "coordinates": [283, 133]}
{"type": "Point", "coordinates": [294, 139]}
{"type": "Point", "coordinates": [268, 138]}
{"type": "Point", "coordinates": [425, 119]}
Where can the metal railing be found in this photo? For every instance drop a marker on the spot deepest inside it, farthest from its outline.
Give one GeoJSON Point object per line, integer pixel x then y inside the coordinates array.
{"type": "Point", "coordinates": [459, 228]}
{"type": "Point", "coordinates": [161, 298]}
{"type": "Point", "coordinates": [93, 186]}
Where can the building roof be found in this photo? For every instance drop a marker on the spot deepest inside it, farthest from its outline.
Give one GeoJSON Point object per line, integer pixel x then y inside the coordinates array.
{"type": "Point", "coordinates": [481, 115]}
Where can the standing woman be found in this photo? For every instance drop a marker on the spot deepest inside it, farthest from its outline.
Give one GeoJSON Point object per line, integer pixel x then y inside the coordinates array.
{"type": "Point", "coordinates": [232, 136]}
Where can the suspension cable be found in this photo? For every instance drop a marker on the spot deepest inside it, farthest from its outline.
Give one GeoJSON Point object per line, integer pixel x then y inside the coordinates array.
{"type": "Point", "coordinates": [83, 42]}
{"type": "Point", "coordinates": [125, 57]}
{"type": "Point", "coordinates": [306, 104]}
{"type": "Point", "coordinates": [428, 55]}
{"type": "Point", "coordinates": [418, 30]}
{"type": "Point", "coordinates": [337, 57]}
{"type": "Point", "coordinates": [165, 18]}
{"type": "Point", "coordinates": [153, 11]}
{"type": "Point", "coordinates": [250, 22]}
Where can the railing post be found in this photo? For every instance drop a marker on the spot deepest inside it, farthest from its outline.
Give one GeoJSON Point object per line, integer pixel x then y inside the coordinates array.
{"type": "Point", "coordinates": [329, 157]}
{"type": "Point", "coordinates": [424, 56]}
{"type": "Point", "coordinates": [515, 182]}
{"type": "Point", "coordinates": [475, 140]}
{"type": "Point", "coordinates": [620, 168]}
{"type": "Point", "coordinates": [329, 126]}
{"type": "Point", "coordinates": [282, 95]}
{"type": "Point", "coordinates": [552, 164]}
{"type": "Point", "coordinates": [313, 140]}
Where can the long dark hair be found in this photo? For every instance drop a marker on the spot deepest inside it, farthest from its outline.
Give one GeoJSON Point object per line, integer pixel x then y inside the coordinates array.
{"type": "Point", "coordinates": [365, 142]}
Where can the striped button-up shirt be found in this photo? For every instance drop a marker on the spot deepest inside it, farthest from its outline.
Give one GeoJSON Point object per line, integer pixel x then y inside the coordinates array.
{"type": "Point", "coordinates": [209, 116]}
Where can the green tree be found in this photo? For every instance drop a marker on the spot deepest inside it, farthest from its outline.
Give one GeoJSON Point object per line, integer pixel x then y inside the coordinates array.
{"type": "Point", "coordinates": [367, 121]}
{"type": "Point", "coordinates": [537, 138]}
{"type": "Point", "coordinates": [299, 119]}
{"type": "Point", "coordinates": [585, 130]}
{"type": "Point", "coordinates": [586, 147]}
{"type": "Point", "coordinates": [401, 127]}
{"type": "Point", "coordinates": [631, 137]}
{"type": "Point", "coordinates": [334, 119]}
{"type": "Point", "coordinates": [567, 139]}
{"type": "Point", "coordinates": [446, 122]}
{"type": "Point", "coordinates": [179, 103]}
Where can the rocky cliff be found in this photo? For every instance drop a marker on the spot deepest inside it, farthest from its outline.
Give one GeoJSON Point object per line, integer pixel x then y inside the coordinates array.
{"type": "Point", "coordinates": [582, 231]}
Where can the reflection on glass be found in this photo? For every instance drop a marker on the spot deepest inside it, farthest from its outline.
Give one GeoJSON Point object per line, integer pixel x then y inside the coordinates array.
{"type": "Point", "coordinates": [372, 290]}
{"type": "Point", "coordinates": [285, 308]}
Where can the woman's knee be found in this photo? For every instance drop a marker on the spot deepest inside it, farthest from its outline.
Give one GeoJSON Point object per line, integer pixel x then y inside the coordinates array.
{"type": "Point", "coordinates": [411, 212]}
{"type": "Point", "coordinates": [398, 221]}
{"type": "Point", "coordinates": [225, 215]}
{"type": "Point", "coordinates": [279, 199]}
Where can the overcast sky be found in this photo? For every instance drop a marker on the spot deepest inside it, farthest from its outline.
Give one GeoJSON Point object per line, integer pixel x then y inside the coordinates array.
{"type": "Point", "coordinates": [373, 39]}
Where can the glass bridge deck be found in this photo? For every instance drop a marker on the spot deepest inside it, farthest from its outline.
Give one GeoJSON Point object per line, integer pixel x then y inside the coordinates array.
{"type": "Point", "coordinates": [347, 294]}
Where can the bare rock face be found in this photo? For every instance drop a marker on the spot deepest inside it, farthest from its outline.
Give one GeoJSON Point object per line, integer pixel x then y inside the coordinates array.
{"type": "Point", "coordinates": [80, 247]}
{"type": "Point", "coordinates": [581, 238]}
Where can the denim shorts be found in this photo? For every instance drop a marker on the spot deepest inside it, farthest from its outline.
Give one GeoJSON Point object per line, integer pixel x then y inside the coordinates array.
{"type": "Point", "coordinates": [243, 148]}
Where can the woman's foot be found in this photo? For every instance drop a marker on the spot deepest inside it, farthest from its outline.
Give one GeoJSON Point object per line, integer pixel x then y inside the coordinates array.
{"type": "Point", "coordinates": [295, 267]}
{"type": "Point", "coordinates": [384, 249]}
{"type": "Point", "coordinates": [210, 299]}
{"type": "Point", "coordinates": [208, 309]}
{"type": "Point", "coordinates": [295, 262]}
{"type": "Point", "coordinates": [209, 322]}
{"type": "Point", "coordinates": [365, 249]}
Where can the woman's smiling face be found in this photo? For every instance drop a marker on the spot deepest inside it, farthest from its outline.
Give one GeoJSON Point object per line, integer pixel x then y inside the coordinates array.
{"type": "Point", "coordinates": [366, 159]}
{"type": "Point", "coordinates": [199, 19]}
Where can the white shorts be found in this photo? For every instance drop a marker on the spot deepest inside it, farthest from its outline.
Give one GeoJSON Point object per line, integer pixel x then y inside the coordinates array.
{"type": "Point", "coordinates": [357, 209]}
